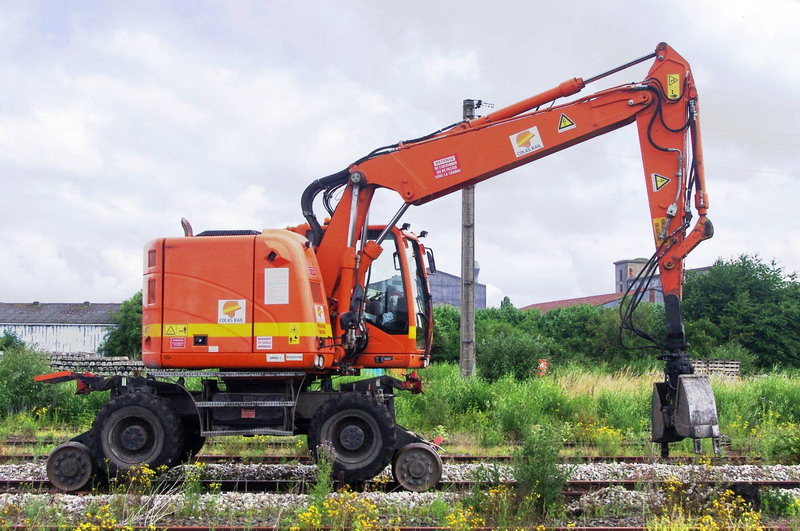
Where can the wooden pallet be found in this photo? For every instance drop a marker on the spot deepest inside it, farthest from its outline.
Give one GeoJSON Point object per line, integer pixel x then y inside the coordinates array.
{"type": "Point", "coordinates": [709, 367]}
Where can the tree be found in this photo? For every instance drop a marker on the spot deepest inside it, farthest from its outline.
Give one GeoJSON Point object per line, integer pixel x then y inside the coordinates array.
{"type": "Point", "coordinates": [446, 334]}
{"type": "Point", "coordinates": [504, 349]}
{"type": "Point", "coordinates": [750, 302]}
{"type": "Point", "coordinates": [10, 341]}
{"type": "Point", "coordinates": [125, 339]}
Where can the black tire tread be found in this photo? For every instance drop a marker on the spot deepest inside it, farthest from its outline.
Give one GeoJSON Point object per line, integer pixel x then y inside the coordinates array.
{"type": "Point", "coordinates": [365, 403]}
{"type": "Point", "coordinates": [171, 424]}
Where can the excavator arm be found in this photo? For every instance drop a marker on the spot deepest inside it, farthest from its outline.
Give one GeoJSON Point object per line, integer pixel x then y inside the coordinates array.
{"type": "Point", "coordinates": [665, 108]}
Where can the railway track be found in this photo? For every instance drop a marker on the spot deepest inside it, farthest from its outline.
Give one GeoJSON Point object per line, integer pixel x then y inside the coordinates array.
{"type": "Point", "coordinates": [446, 458]}
{"type": "Point", "coordinates": [293, 479]}
{"type": "Point", "coordinates": [412, 528]}
{"type": "Point", "coordinates": [574, 489]}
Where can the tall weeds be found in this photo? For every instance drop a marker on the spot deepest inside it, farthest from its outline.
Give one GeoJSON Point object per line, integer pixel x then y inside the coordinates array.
{"type": "Point", "coordinates": [760, 414]}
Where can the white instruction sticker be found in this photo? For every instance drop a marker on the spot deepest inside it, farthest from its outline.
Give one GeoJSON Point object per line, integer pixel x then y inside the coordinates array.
{"type": "Point", "coordinates": [446, 166]}
{"type": "Point", "coordinates": [276, 285]}
{"type": "Point", "coordinates": [264, 343]}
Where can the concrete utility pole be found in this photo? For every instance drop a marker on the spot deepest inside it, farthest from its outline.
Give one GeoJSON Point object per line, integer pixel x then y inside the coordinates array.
{"type": "Point", "coordinates": [467, 355]}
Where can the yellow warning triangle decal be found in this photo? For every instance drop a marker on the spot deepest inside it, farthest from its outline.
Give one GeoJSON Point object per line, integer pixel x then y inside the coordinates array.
{"type": "Point", "coordinates": [659, 182]}
{"type": "Point", "coordinates": [565, 123]}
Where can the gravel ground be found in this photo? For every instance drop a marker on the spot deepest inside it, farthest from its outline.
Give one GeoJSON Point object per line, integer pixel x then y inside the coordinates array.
{"type": "Point", "coordinates": [617, 506]}
{"type": "Point", "coordinates": [468, 472]}
{"type": "Point", "coordinates": [206, 510]}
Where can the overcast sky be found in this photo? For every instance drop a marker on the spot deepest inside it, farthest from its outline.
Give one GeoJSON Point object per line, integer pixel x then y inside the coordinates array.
{"type": "Point", "coordinates": [119, 118]}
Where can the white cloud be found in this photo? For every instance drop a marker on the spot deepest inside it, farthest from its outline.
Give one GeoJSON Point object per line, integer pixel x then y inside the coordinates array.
{"type": "Point", "coordinates": [118, 119]}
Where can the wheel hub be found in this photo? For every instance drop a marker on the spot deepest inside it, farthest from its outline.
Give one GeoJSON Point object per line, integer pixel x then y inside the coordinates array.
{"type": "Point", "coordinates": [352, 437]}
{"type": "Point", "coordinates": [134, 438]}
{"type": "Point", "coordinates": [417, 467]}
{"type": "Point", "coordinates": [68, 466]}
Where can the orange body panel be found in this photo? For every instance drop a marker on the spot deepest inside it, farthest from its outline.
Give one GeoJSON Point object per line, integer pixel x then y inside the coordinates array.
{"type": "Point", "coordinates": [235, 302]}
{"type": "Point", "coordinates": [249, 302]}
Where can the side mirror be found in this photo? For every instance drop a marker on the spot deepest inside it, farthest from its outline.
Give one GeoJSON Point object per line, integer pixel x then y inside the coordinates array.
{"type": "Point", "coordinates": [431, 261]}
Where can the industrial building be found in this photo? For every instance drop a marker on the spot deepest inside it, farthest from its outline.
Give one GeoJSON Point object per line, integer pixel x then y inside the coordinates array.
{"type": "Point", "coordinates": [58, 327]}
{"type": "Point", "coordinates": [446, 289]}
{"type": "Point", "coordinates": [625, 278]}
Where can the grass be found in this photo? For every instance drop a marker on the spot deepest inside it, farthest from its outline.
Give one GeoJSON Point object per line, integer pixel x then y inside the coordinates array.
{"type": "Point", "coordinates": [605, 410]}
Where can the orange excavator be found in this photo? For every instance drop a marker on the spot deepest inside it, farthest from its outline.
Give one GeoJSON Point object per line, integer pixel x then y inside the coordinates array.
{"type": "Point", "coordinates": [244, 331]}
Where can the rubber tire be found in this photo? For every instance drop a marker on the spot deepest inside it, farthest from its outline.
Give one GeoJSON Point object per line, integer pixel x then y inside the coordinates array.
{"type": "Point", "coordinates": [144, 414]}
{"type": "Point", "coordinates": [364, 415]}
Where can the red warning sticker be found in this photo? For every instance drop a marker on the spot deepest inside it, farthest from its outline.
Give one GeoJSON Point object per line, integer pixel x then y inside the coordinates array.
{"type": "Point", "coordinates": [177, 342]}
{"type": "Point", "coordinates": [446, 166]}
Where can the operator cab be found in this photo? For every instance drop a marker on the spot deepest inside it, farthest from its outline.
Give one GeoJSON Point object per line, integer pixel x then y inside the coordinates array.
{"type": "Point", "coordinates": [398, 300]}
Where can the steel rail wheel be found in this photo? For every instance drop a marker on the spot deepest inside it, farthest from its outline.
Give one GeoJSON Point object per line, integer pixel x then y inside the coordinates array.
{"type": "Point", "coordinates": [417, 467]}
{"type": "Point", "coordinates": [136, 429]}
{"type": "Point", "coordinates": [361, 433]}
{"type": "Point", "coordinates": [70, 466]}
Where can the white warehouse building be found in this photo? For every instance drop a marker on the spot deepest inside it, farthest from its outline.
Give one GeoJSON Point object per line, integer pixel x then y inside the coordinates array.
{"type": "Point", "coordinates": [58, 327]}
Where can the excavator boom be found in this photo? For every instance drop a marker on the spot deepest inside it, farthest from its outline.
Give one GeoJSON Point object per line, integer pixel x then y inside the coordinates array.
{"type": "Point", "coordinates": [664, 107]}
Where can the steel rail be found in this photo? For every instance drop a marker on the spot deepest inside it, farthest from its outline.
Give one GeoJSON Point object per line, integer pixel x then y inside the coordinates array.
{"type": "Point", "coordinates": [573, 489]}
{"type": "Point", "coordinates": [277, 459]}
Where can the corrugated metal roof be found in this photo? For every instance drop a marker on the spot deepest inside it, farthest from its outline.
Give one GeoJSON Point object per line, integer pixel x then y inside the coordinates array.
{"type": "Point", "coordinates": [57, 313]}
{"type": "Point", "coordinates": [594, 300]}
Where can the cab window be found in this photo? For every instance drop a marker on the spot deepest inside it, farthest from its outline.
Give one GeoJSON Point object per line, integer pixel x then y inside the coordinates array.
{"type": "Point", "coordinates": [387, 305]}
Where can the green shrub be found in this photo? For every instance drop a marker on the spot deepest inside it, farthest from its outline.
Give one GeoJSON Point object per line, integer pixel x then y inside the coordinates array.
{"type": "Point", "coordinates": [732, 350]}
{"type": "Point", "coordinates": [776, 502]}
{"type": "Point", "coordinates": [54, 402]}
{"type": "Point", "coordinates": [446, 334]}
{"type": "Point", "coordinates": [539, 478]}
{"type": "Point", "coordinates": [519, 405]}
{"type": "Point", "coordinates": [125, 339]}
{"type": "Point", "coordinates": [10, 341]}
{"type": "Point", "coordinates": [752, 302]}
{"type": "Point", "coordinates": [18, 391]}
{"type": "Point", "coordinates": [624, 409]}
{"type": "Point", "coordinates": [502, 349]}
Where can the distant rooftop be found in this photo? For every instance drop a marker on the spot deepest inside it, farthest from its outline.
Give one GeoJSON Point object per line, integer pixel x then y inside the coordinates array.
{"type": "Point", "coordinates": [594, 300]}
{"type": "Point", "coordinates": [20, 313]}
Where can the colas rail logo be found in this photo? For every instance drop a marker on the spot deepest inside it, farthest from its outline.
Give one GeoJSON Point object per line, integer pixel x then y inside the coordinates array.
{"type": "Point", "coordinates": [230, 308]}
{"type": "Point", "coordinates": [231, 311]}
{"type": "Point", "coordinates": [526, 141]}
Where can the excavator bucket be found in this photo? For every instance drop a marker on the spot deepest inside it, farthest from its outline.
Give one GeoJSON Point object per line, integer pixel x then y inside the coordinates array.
{"type": "Point", "coordinates": [696, 412]}
{"type": "Point", "coordinates": [692, 414]}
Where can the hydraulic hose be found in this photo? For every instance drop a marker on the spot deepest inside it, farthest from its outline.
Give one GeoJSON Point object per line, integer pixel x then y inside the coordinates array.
{"type": "Point", "coordinates": [307, 201]}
